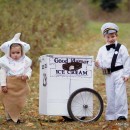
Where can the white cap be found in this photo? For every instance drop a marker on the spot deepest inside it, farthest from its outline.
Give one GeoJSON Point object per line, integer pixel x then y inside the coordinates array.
{"type": "Point", "coordinates": [109, 28]}
{"type": "Point", "coordinates": [16, 39]}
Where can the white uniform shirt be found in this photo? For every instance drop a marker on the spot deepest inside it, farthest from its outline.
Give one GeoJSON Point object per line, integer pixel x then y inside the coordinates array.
{"type": "Point", "coordinates": [105, 57]}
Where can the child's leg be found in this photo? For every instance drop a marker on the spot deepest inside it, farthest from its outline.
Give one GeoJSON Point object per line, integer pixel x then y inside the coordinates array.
{"type": "Point", "coordinates": [121, 104]}
{"type": "Point", "coordinates": [110, 92]}
{"type": "Point", "coordinates": [7, 116]}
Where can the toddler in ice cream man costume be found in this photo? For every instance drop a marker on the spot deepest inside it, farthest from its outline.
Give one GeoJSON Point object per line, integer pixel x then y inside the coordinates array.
{"type": "Point", "coordinates": [14, 73]}
{"type": "Point", "coordinates": [113, 59]}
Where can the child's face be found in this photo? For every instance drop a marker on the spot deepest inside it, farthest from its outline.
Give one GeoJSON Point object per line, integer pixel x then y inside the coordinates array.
{"type": "Point", "coordinates": [16, 52]}
{"type": "Point", "coordinates": [110, 38]}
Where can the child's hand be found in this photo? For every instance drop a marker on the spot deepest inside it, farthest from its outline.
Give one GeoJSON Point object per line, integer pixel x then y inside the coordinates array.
{"type": "Point", "coordinates": [24, 77]}
{"type": "Point", "coordinates": [125, 78]}
{"type": "Point", "coordinates": [96, 63]}
{"type": "Point", "coordinates": [4, 89]}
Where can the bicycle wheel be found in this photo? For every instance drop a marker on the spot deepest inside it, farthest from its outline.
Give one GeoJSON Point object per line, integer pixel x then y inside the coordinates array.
{"type": "Point", "coordinates": [85, 105]}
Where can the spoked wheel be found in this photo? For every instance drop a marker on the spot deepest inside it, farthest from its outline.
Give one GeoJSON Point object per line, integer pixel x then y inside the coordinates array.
{"type": "Point", "coordinates": [85, 105]}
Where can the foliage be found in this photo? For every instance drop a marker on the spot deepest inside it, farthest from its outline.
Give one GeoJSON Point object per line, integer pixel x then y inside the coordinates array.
{"type": "Point", "coordinates": [109, 5]}
{"type": "Point", "coordinates": [45, 24]}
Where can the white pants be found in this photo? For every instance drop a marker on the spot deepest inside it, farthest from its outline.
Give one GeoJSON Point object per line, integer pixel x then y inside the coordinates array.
{"type": "Point", "coordinates": [116, 96]}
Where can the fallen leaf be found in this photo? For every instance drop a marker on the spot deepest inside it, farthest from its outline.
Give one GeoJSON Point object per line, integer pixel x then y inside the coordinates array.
{"type": "Point", "coordinates": [30, 124]}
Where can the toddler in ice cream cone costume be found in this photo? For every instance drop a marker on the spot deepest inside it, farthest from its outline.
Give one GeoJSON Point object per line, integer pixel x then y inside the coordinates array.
{"type": "Point", "coordinates": [15, 70]}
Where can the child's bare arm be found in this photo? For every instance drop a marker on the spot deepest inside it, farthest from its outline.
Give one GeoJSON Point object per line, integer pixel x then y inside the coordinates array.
{"type": "Point", "coordinates": [125, 78]}
{"type": "Point", "coordinates": [97, 63]}
{"type": "Point", "coordinates": [24, 77]}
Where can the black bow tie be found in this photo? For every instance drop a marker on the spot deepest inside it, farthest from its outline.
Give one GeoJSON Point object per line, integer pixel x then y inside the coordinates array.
{"type": "Point", "coordinates": [110, 46]}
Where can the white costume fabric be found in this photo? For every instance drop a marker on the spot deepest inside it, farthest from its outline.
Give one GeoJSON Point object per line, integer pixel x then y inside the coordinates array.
{"type": "Point", "coordinates": [10, 67]}
{"type": "Point", "coordinates": [115, 85]}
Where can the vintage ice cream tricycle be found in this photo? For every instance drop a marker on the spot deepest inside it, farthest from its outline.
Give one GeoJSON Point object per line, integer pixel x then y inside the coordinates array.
{"type": "Point", "coordinates": [66, 88]}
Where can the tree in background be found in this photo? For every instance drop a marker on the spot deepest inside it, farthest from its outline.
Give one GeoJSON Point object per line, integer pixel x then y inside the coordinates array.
{"type": "Point", "coordinates": [127, 4]}
{"type": "Point", "coordinates": [109, 5]}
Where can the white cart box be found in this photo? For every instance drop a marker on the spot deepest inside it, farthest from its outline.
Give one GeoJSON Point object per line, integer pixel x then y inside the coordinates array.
{"type": "Point", "coordinates": [57, 84]}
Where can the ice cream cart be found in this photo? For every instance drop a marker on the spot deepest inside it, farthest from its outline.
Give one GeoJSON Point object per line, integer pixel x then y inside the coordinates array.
{"type": "Point", "coordinates": [66, 88]}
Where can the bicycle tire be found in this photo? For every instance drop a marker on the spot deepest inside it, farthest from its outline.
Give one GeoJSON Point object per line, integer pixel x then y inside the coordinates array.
{"type": "Point", "coordinates": [95, 102]}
